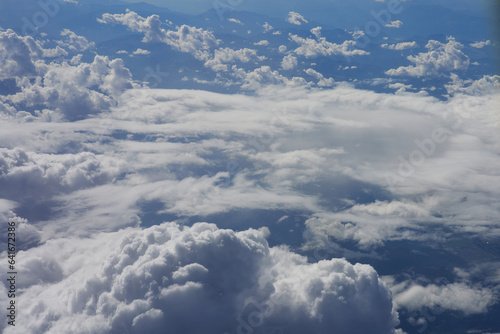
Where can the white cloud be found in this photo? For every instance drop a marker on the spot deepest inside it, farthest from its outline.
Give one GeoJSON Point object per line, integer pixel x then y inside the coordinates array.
{"type": "Point", "coordinates": [18, 55]}
{"type": "Point", "coordinates": [486, 85]}
{"type": "Point", "coordinates": [70, 89]}
{"type": "Point", "coordinates": [296, 18]}
{"type": "Point", "coordinates": [461, 297]}
{"type": "Point", "coordinates": [267, 27]}
{"type": "Point", "coordinates": [395, 24]}
{"type": "Point", "coordinates": [142, 52]}
{"type": "Point", "coordinates": [75, 42]}
{"type": "Point", "coordinates": [480, 44]}
{"type": "Point", "coordinates": [195, 41]}
{"type": "Point", "coordinates": [170, 276]}
{"type": "Point", "coordinates": [440, 58]}
{"type": "Point", "coordinates": [321, 47]}
{"type": "Point", "coordinates": [322, 81]}
{"type": "Point", "coordinates": [224, 56]}
{"type": "Point", "coordinates": [264, 76]}
{"type": "Point", "coordinates": [400, 46]}
{"type": "Point", "coordinates": [289, 62]}
{"type": "Point", "coordinates": [235, 21]}
{"type": "Point", "coordinates": [262, 43]}
{"type": "Point", "coordinates": [316, 32]}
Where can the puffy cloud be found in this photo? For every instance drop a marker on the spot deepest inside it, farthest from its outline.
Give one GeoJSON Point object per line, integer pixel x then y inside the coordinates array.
{"type": "Point", "coordinates": [26, 234]}
{"type": "Point", "coordinates": [75, 42]}
{"type": "Point", "coordinates": [17, 55]}
{"type": "Point", "coordinates": [235, 21]}
{"type": "Point", "coordinates": [224, 56]}
{"type": "Point", "coordinates": [195, 41]}
{"type": "Point", "coordinates": [264, 76]}
{"type": "Point", "coordinates": [480, 44]}
{"type": "Point", "coordinates": [195, 279]}
{"type": "Point", "coordinates": [48, 174]}
{"type": "Point", "coordinates": [71, 89]}
{"type": "Point", "coordinates": [394, 24]}
{"type": "Point", "coordinates": [267, 27]}
{"type": "Point", "coordinates": [296, 18]}
{"type": "Point", "coordinates": [462, 297]}
{"type": "Point", "coordinates": [262, 43]}
{"type": "Point", "coordinates": [321, 47]}
{"type": "Point", "coordinates": [486, 85]}
{"type": "Point", "coordinates": [440, 58]}
{"type": "Point", "coordinates": [400, 46]}
{"type": "Point", "coordinates": [289, 62]}
{"type": "Point", "coordinates": [141, 52]}
{"type": "Point", "coordinates": [150, 26]}
{"type": "Point", "coordinates": [322, 81]}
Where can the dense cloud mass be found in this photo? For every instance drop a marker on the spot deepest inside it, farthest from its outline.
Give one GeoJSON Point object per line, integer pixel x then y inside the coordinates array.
{"type": "Point", "coordinates": [197, 280]}
{"type": "Point", "coordinates": [440, 58]}
{"type": "Point", "coordinates": [325, 153]}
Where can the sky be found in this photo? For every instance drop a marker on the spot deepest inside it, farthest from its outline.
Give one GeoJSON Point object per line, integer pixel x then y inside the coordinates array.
{"type": "Point", "coordinates": [260, 167]}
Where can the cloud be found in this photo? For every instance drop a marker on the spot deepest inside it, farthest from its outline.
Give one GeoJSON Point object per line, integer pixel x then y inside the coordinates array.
{"type": "Point", "coordinates": [75, 42]}
{"type": "Point", "coordinates": [50, 174]}
{"type": "Point", "coordinates": [141, 52]}
{"type": "Point", "coordinates": [18, 55]}
{"type": "Point", "coordinates": [267, 27]}
{"type": "Point", "coordinates": [321, 47]}
{"type": "Point", "coordinates": [224, 56]}
{"type": "Point", "coordinates": [486, 85]}
{"type": "Point", "coordinates": [296, 18]}
{"type": "Point", "coordinates": [195, 41]}
{"type": "Point", "coordinates": [400, 46]}
{"type": "Point", "coordinates": [262, 43]}
{"type": "Point", "coordinates": [71, 90]}
{"type": "Point", "coordinates": [193, 279]}
{"type": "Point", "coordinates": [462, 297]}
{"type": "Point", "coordinates": [322, 81]}
{"type": "Point", "coordinates": [289, 62]}
{"type": "Point", "coordinates": [26, 235]}
{"type": "Point", "coordinates": [394, 24]}
{"type": "Point", "coordinates": [235, 21]}
{"type": "Point", "coordinates": [480, 44]}
{"type": "Point", "coordinates": [440, 58]}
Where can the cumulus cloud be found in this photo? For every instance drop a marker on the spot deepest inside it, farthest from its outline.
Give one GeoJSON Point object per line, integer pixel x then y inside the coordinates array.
{"type": "Point", "coordinates": [400, 46]}
{"type": "Point", "coordinates": [235, 21]}
{"type": "Point", "coordinates": [195, 279]}
{"type": "Point", "coordinates": [50, 174]}
{"type": "Point", "coordinates": [27, 235]}
{"type": "Point", "coordinates": [224, 56]}
{"type": "Point", "coordinates": [262, 43]}
{"type": "Point", "coordinates": [141, 52]}
{"type": "Point", "coordinates": [309, 47]}
{"type": "Point", "coordinates": [440, 58]}
{"type": "Point", "coordinates": [322, 81]}
{"type": "Point", "coordinates": [488, 84]}
{"type": "Point", "coordinates": [462, 297]}
{"type": "Point", "coordinates": [18, 55]}
{"type": "Point", "coordinates": [394, 24]}
{"type": "Point", "coordinates": [289, 62]}
{"type": "Point", "coordinates": [71, 89]}
{"type": "Point", "coordinates": [75, 42]}
{"type": "Point", "coordinates": [267, 27]}
{"type": "Point", "coordinates": [296, 18]}
{"type": "Point", "coordinates": [480, 44]}
{"type": "Point", "coordinates": [195, 41]}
